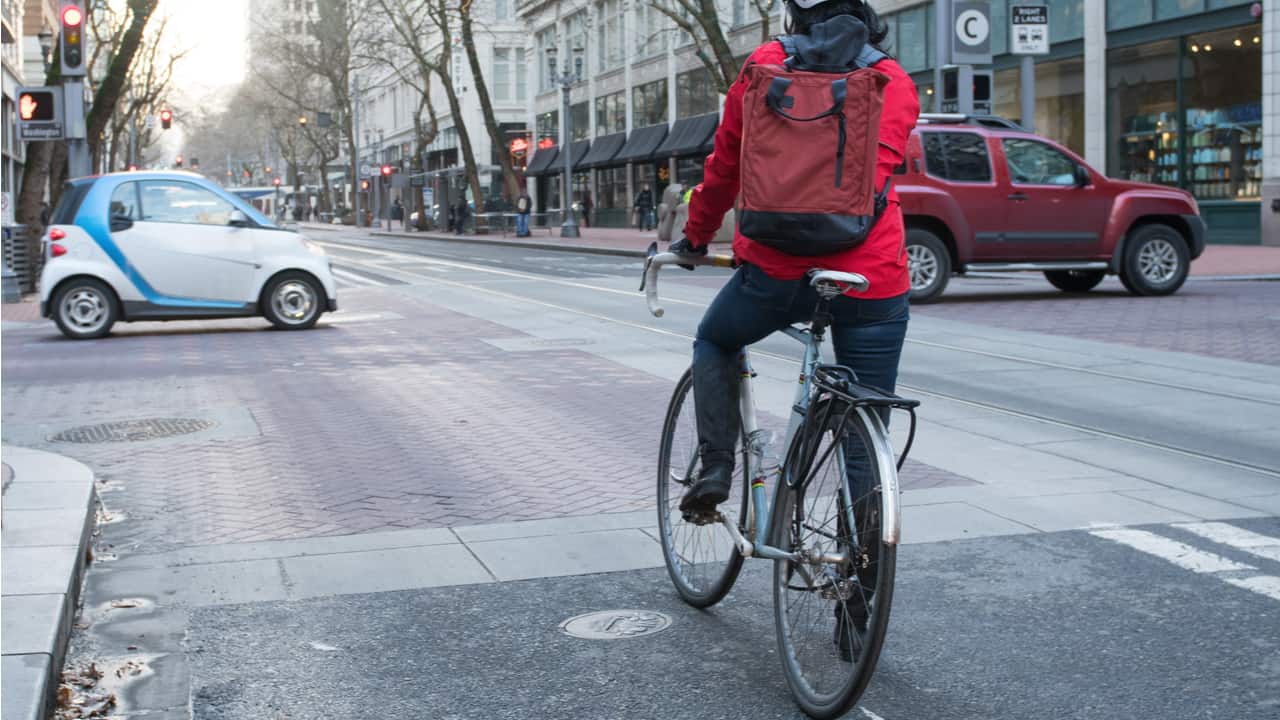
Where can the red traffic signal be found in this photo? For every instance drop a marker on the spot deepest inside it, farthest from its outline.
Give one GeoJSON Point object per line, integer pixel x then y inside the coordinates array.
{"type": "Point", "coordinates": [166, 119]}
{"type": "Point", "coordinates": [276, 182]}
{"type": "Point", "coordinates": [387, 170]}
{"type": "Point", "coordinates": [71, 41]}
{"type": "Point", "coordinates": [178, 161]}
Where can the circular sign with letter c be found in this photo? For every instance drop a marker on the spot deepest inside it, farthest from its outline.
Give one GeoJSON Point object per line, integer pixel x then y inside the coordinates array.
{"type": "Point", "coordinates": [972, 27]}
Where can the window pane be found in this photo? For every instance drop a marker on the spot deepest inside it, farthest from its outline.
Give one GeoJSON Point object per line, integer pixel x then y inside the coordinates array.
{"type": "Point", "coordinates": [522, 75]}
{"type": "Point", "coordinates": [180, 202]}
{"type": "Point", "coordinates": [961, 157]}
{"type": "Point", "coordinates": [1127, 13]}
{"type": "Point", "coordinates": [1066, 20]}
{"type": "Point", "coordinates": [1034, 163]}
{"type": "Point", "coordinates": [1059, 100]}
{"type": "Point", "coordinates": [912, 51]}
{"type": "Point", "coordinates": [999, 27]}
{"type": "Point", "coordinates": [124, 202]}
{"type": "Point", "coordinates": [1142, 122]}
{"type": "Point", "coordinates": [1224, 119]}
{"type": "Point", "coordinates": [1177, 8]}
{"type": "Point", "coordinates": [581, 121]}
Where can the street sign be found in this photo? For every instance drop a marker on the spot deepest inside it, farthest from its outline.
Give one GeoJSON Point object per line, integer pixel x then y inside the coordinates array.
{"type": "Point", "coordinates": [40, 113]}
{"type": "Point", "coordinates": [365, 171]}
{"type": "Point", "coordinates": [1029, 29]}
{"type": "Point", "coordinates": [150, 122]}
{"type": "Point", "coordinates": [971, 32]}
{"type": "Point", "coordinates": [418, 180]}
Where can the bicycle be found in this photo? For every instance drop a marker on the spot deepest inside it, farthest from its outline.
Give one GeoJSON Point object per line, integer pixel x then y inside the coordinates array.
{"type": "Point", "coordinates": [832, 527]}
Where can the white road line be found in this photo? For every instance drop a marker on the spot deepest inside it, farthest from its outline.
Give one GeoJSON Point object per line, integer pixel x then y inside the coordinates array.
{"type": "Point", "coordinates": [1263, 585]}
{"type": "Point", "coordinates": [870, 715]}
{"type": "Point", "coordinates": [1264, 546]}
{"type": "Point", "coordinates": [355, 279]}
{"type": "Point", "coordinates": [1180, 554]}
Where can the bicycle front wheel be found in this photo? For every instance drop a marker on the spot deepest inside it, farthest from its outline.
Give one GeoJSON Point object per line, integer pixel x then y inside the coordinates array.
{"type": "Point", "coordinates": [831, 609]}
{"type": "Point", "coordinates": [700, 556]}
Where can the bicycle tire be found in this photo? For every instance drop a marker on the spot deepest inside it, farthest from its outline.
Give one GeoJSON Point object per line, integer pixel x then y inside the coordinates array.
{"type": "Point", "coordinates": [699, 589]}
{"type": "Point", "coordinates": [820, 656]}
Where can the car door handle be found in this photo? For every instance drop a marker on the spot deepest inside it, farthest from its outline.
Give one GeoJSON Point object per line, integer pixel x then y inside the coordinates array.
{"type": "Point", "coordinates": [1018, 197]}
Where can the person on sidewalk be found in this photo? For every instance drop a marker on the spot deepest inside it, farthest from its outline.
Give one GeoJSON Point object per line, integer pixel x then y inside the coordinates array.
{"type": "Point", "coordinates": [460, 216]}
{"type": "Point", "coordinates": [524, 206]}
{"type": "Point", "coordinates": [644, 209]}
{"type": "Point", "coordinates": [587, 205]}
{"type": "Point", "coordinates": [397, 213]}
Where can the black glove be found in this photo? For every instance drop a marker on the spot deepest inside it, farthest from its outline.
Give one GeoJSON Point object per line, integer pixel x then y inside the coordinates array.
{"type": "Point", "coordinates": [684, 247]}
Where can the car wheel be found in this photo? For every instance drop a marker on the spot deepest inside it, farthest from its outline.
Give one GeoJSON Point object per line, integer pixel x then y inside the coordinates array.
{"type": "Point", "coordinates": [1156, 261]}
{"type": "Point", "coordinates": [929, 264]}
{"type": "Point", "coordinates": [85, 308]}
{"type": "Point", "coordinates": [292, 301]}
{"type": "Point", "coordinates": [1075, 281]}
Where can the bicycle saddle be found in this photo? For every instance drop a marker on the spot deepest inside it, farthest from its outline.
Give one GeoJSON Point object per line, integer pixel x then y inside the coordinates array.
{"type": "Point", "coordinates": [830, 283]}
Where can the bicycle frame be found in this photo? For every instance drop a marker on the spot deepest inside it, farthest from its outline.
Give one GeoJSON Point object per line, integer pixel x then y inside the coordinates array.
{"type": "Point", "coordinates": [760, 509]}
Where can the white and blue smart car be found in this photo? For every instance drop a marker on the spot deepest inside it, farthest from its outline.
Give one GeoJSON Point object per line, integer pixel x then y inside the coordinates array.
{"type": "Point", "coordinates": [170, 246]}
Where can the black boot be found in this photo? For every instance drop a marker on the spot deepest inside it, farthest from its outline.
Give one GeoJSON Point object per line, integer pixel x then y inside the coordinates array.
{"type": "Point", "coordinates": [710, 489]}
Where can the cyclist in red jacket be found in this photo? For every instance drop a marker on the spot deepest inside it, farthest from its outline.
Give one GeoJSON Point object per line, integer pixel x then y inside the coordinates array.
{"type": "Point", "coordinates": [769, 290]}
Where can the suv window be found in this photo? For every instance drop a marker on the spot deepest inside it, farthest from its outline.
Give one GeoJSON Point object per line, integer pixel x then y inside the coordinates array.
{"type": "Point", "coordinates": [174, 201]}
{"type": "Point", "coordinates": [124, 201]}
{"type": "Point", "coordinates": [957, 156]}
{"type": "Point", "coordinates": [1034, 163]}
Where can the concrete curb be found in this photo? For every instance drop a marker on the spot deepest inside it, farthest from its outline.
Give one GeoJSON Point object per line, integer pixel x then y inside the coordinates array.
{"type": "Point", "coordinates": [481, 240]}
{"type": "Point", "coordinates": [47, 521]}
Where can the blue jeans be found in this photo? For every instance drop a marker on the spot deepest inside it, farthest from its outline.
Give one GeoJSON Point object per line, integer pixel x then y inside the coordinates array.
{"type": "Point", "coordinates": [867, 335]}
{"type": "Point", "coordinates": [522, 223]}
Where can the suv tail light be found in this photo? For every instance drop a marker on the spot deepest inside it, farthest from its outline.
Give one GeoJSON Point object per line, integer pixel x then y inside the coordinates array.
{"type": "Point", "coordinates": [56, 250]}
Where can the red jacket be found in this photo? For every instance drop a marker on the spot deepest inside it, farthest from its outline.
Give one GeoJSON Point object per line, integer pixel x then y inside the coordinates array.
{"type": "Point", "coordinates": [882, 259]}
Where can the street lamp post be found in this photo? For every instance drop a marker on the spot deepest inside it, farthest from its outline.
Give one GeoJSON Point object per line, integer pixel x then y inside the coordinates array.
{"type": "Point", "coordinates": [566, 80]}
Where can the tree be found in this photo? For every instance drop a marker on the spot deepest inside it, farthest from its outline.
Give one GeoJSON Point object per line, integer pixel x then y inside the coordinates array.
{"type": "Point", "coordinates": [144, 94]}
{"type": "Point", "coordinates": [511, 185]}
{"type": "Point", "coordinates": [700, 19]}
{"type": "Point", "coordinates": [108, 93]}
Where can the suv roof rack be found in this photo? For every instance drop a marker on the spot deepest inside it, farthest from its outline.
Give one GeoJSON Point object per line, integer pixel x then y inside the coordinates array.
{"type": "Point", "coordinates": [992, 121]}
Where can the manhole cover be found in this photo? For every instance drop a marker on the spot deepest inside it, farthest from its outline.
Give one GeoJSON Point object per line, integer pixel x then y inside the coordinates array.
{"type": "Point", "coordinates": [614, 624]}
{"type": "Point", "coordinates": [133, 430]}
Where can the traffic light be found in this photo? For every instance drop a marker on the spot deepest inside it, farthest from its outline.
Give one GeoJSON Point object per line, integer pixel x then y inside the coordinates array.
{"type": "Point", "coordinates": [71, 41]}
{"type": "Point", "coordinates": [276, 182]}
{"type": "Point", "coordinates": [178, 162]}
{"type": "Point", "coordinates": [166, 118]}
{"type": "Point", "coordinates": [36, 106]}
{"type": "Point", "coordinates": [387, 170]}
{"type": "Point", "coordinates": [364, 184]}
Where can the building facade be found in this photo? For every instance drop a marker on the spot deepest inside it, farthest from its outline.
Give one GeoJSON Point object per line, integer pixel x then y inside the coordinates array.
{"type": "Point", "coordinates": [1175, 92]}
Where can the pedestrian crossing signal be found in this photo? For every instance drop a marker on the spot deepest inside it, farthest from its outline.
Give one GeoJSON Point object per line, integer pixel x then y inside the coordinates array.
{"type": "Point", "coordinates": [36, 106]}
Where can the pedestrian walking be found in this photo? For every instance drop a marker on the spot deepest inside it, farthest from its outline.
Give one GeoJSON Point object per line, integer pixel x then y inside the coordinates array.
{"type": "Point", "coordinates": [524, 206]}
{"type": "Point", "coordinates": [397, 213]}
{"type": "Point", "coordinates": [644, 209]}
{"type": "Point", "coordinates": [460, 216]}
{"type": "Point", "coordinates": [586, 209]}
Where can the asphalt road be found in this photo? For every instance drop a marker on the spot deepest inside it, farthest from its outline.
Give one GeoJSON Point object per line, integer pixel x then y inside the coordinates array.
{"type": "Point", "coordinates": [463, 385]}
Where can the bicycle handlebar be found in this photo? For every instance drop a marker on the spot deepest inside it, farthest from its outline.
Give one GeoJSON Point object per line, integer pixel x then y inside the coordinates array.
{"type": "Point", "coordinates": [653, 262]}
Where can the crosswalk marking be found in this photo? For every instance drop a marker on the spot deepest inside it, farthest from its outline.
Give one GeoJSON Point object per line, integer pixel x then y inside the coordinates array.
{"type": "Point", "coordinates": [1200, 561]}
{"type": "Point", "coordinates": [1251, 542]}
{"type": "Point", "coordinates": [351, 278]}
{"type": "Point", "coordinates": [1179, 554]}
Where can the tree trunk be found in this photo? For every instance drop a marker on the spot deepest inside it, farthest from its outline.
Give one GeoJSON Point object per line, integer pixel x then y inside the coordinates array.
{"type": "Point", "coordinates": [511, 185]}
{"type": "Point", "coordinates": [709, 19]}
{"type": "Point", "coordinates": [108, 94]}
{"type": "Point", "coordinates": [464, 138]}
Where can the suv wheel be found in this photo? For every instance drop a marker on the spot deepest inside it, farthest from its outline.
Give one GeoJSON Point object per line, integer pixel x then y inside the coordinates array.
{"type": "Point", "coordinates": [1156, 261]}
{"type": "Point", "coordinates": [1075, 281]}
{"type": "Point", "coordinates": [929, 264]}
{"type": "Point", "coordinates": [85, 308]}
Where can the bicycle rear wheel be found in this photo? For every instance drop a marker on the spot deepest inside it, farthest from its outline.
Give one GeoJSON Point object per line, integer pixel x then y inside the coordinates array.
{"type": "Point", "coordinates": [831, 614]}
{"type": "Point", "coordinates": [700, 557]}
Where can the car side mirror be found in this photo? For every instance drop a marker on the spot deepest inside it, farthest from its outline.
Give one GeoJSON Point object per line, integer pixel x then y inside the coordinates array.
{"type": "Point", "coordinates": [1082, 176]}
{"type": "Point", "coordinates": [120, 223]}
{"type": "Point", "coordinates": [237, 218]}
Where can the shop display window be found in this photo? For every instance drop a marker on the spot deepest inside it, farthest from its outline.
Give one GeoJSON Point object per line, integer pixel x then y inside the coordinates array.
{"type": "Point", "coordinates": [1224, 118]}
{"type": "Point", "coordinates": [1142, 103]}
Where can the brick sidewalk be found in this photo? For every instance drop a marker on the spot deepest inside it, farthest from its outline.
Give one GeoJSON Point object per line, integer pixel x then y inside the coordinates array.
{"type": "Point", "coordinates": [1217, 260]}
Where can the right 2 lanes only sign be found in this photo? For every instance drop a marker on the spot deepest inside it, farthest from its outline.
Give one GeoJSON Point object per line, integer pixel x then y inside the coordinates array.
{"type": "Point", "coordinates": [1029, 29]}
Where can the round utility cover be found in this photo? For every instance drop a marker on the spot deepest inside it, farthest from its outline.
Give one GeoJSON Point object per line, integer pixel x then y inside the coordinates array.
{"type": "Point", "coordinates": [615, 624]}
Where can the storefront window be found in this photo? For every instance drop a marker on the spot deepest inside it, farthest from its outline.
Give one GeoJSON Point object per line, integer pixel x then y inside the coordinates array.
{"type": "Point", "coordinates": [1224, 119]}
{"type": "Point", "coordinates": [649, 104]}
{"type": "Point", "coordinates": [1166, 9]}
{"type": "Point", "coordinates": [696, 94]}
{"type": "Point", "coordinates": [549, 127]}
{"type": "Point", "coordinates": [689, 171]}
{"type": "Point", "coordinates": [1066, 20]}
{"type": "Point", "coordinates": [1143, 112]}
{"type": "Point", "coordinates": [1059, 100]}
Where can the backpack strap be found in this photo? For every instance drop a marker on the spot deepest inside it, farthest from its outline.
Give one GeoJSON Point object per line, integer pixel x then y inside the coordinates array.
{"type": "Point", "coordinates": [869, 57]}
{"type": "Point", "coordinates": [789, 49]}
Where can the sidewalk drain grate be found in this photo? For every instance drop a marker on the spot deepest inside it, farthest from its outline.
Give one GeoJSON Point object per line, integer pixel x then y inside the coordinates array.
{"type": "Point", "coordinates": [615, 624]}
{"type": "Point", "coordinates": [133, 430]}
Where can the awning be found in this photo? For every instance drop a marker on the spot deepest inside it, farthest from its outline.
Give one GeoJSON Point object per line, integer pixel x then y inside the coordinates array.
{"type": "Point", "coordinates": [641, 144]}
{"type": "Point", "coordinates": [603, 150]}
{"type": "Point", "coordinates": [579, 149]}
{"type": "Point", "coordinates": [542, 161]}
{"type": "Point", "coordinates": [690, 136]}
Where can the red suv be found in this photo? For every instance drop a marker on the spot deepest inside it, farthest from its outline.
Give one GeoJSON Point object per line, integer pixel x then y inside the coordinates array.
{"type": "Point", "coordinates": [980, 194]}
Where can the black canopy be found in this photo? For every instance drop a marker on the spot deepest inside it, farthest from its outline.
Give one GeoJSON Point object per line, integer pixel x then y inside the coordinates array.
{"type": "Point", "coordinates": [690, 136]}
{"type": "Point", "coordinates": [603, 151]}
{"type": "Point", "coordinates": [580, 150]}
{"type": "Point", "coordinates": [641, 144]}
{"type": "Point", "coordinates": [542, 161]}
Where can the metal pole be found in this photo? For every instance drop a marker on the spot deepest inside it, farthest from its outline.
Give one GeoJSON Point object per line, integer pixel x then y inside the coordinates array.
{"type": "Point", "coordinates": [79, 163]}
{"type": "Point", "coordinates": [355, 134]}
{"type": "Point", "coordinates": [964, 83]}
{"type": "Point", "coordinates": [1028, 93]}
{"type": "Point", "coordinates": [942, 46]}
{"type": "Point", "coordinates": [569, 228]}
